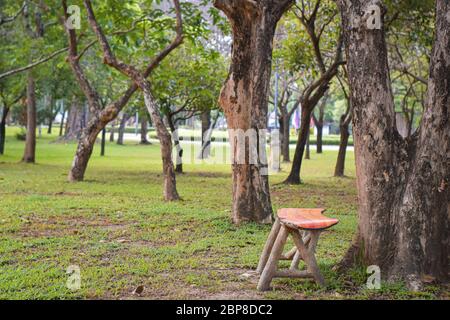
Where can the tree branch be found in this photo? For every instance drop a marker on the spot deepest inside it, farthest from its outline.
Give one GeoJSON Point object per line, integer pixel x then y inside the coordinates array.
{"type": "Point", "coordinates": [33, 64]}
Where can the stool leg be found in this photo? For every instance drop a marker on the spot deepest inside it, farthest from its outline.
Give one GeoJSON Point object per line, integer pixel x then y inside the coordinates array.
{"type": "Point", "coordinates": [308, 254]}
{"type": "Point", "coordinates": [268, 246]}
{"type": "Point", "coordinates": [296, 260]}
{"type": "Point", "coordinates": [272, 263]}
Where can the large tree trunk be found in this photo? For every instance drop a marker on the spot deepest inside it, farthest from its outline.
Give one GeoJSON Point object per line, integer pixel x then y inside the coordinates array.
{"type": "Point", "coordinates": [343, 144]}
{"type": "Point", "coordinates": [170, 186]}
{"type": "Point", "coordinates": [244, 99]}
{"type": "Point", "coordinates": [30, 142]}
{"type": "Point", "coordinates": [3, 129]}
{"type": "Point", "coordinates": [403, 189]}
{"type": "Point", "coordinates": [303, 134]}
{"type": "Point", "coordinates": [122, 127]}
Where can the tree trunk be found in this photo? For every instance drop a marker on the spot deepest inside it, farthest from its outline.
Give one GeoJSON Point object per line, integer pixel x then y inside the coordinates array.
{"type": "Point", "coordinates": [30, 143]}
{"type": "Point", "coordinates": [206, 137]}
{"type": "Point", "coordinates": [318, 122]}
{"type": "Point", "coordinates": [308, 147]}
{"type": "Point", "coordinates": [84, 151]}
{"type": "Point", "coordinates": [103, 144]}
{"type": "Point", "coordinates": [244, 99]}
{"type": "Point", "coordinates": [319, 128]}
{"type": "Point", "coordinates": [74, 121]}
{"type": "Point", "coordinates": [205, 151]}
{"type": "Point", "coordinates": [176, 142]}
{"type": "Point", "coordinates": [61, 126]}
{"type": "Point", "coordinates": [170, 186]}
{"type": "Point", "coordinates": [122, 127]}
{"type": "Point", "coordinates": [113, 129]}
{"type": "Point", "coordinates": [303, 134]}
{"type": "Point", "coordinates": [285, 128]}
{"type": "Point", "coordinates": [403, 189]}
{"type": "Point", "coordinates": [3, 129]}
{"type": "Point", "coordinates": [50, 116]}
{"type": "Point", "coordinates": [345, 134]}
{"type": "Point", "coordinates": [50, 126]}
{"type": "Point", "coordinates": [144, 130]}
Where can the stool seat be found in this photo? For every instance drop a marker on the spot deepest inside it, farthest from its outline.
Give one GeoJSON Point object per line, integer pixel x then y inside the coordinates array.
{"type": "Point", "coordinates": [308, 219]}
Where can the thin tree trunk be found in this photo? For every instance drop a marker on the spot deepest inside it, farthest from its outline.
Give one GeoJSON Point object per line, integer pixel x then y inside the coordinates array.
{"type": "Point", "coordinates": [176, 142]}
{"type": "Point", "coordinates": [144, 130]}
{"type": "Point", "coordinates": [122, 127]}
{"type": "Point", "coordinates": [403, 184]}
{"type": "Point", "coordinates": [103, 144]}
{"type": "Point", "coordinates": [3, 129]}
{"type": "Point", "coordinates": [308, 147]}
{"type": "Point", "coordinates": [244, 99]}
{"type": "Point", "coordinates": [294, 175]}
{"type": "Point", "coordinates": [50, 117]}
{"type": "Point", "coordinates": [61, 126]}
{"type": "Point", "coordinates": [343, 144]}
{"type": "Point", "coordinates": [113, 129]}
{"type": "Point", "coordinates": [319, 128]}
{"type": "Point", "coordinates": [30, 143]}
{"type": "Point", "coordinates": [286, 135]}
{"type": "Point", "coordinates": [205, 151]}
{"type": "Point", "coordinates": [206, 124]}
{"type": "Point", "coordinates": [170, 186]}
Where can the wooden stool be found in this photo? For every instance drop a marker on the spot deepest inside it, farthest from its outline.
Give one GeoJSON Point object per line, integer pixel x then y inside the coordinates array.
{"type": "Point", "coordinates": [305, 226]}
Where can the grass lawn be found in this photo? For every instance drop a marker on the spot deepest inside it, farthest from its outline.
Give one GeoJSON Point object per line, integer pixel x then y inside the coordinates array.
{"type": "Point", "coordinates": [117, 229]}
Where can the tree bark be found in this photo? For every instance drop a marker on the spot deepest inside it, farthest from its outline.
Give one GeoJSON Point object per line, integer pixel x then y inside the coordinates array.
{"type": "Point", "coordinates": [61, 126]}
{"type": "Point", "coordinates": [318, 122]}
{"type": "Point", "coordinates": [343, 144]}
{"type": "Point", "coordinates": [30, 142]}
{"type": "Point", "coordinates": [144, 130]}
{"type": "Point", "coordinates": [244, 99]}
{"type": "Point", "coordinates": [176, 142]}
{"type": "Point", "coordinates": [285, 128]}
{"type": "Point", "coordinates": [170, 186]}
{"type": "Point", "coordinates": [308, 146]}
{"type": "Point", "coordinates": [3, 129]}
{"type": "Point", "coordinates": [122, 127]}
{"type": "Point", "coordinates": [403, 190]}
{"type": "Point", "coordinates": [206, 138]}
{"type": "Point", "coordinates": [303, 134]}
{"type": "Point", "coordinates": [103, 143]}
{"type": "Point", "coordinates": [51, 117]}
{"type": "Point", "coordinates": [112, 133]}
{"type": "Point", "coordinates": [74, 121]}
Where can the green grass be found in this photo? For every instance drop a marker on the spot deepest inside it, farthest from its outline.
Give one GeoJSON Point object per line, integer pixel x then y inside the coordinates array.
{"type": "Point", "coordinates": [222, 135]}
{"type": "Point", "coordinates": [118, 230]}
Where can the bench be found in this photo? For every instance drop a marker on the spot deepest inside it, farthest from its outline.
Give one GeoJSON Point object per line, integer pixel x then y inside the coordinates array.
{"type": "Point", "coordinates": [305, 227]}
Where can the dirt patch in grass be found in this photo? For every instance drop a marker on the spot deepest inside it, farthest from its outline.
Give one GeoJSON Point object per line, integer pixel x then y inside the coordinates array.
{"type": "Point", "coordinates": [57, 226]}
